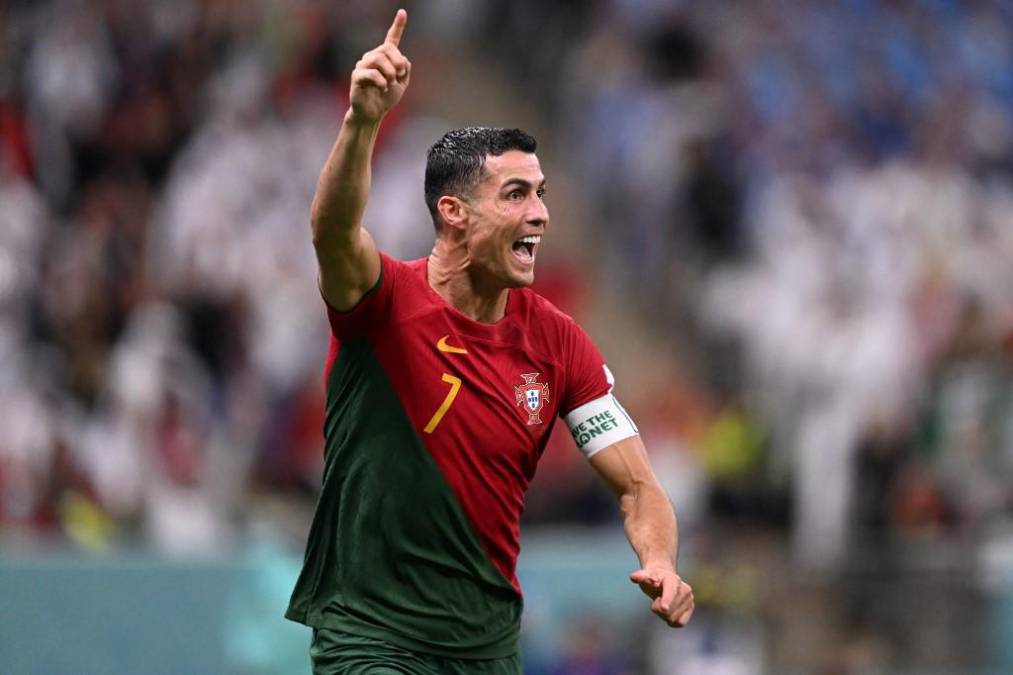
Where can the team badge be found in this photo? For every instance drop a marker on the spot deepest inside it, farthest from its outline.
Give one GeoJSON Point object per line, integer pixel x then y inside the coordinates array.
{"type": "Point", "coordinates": [533, 395]}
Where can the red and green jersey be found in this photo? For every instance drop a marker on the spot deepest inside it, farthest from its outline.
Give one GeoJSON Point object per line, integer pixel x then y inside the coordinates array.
{"type": "Point", "coordinates": [434, 425]}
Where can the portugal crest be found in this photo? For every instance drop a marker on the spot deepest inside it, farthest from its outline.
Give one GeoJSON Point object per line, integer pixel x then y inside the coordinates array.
{"type": "Point", "coordinates": [533, 395]}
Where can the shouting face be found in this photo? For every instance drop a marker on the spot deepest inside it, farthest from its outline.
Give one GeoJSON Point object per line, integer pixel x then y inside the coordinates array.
{"type": "Point", "coordinates": [507, 217]}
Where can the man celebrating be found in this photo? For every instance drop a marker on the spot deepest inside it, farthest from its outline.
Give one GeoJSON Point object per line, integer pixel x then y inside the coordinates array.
{"type": "Point", "coordinates": [444, 378]}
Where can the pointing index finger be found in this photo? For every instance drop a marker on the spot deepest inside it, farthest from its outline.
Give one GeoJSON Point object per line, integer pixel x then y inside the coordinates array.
{"type": "Point", "coordinates": [396, 28]}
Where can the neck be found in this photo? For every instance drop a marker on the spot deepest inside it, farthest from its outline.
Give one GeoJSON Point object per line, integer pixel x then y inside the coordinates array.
{"type": "Point", "coordinates": [463, 287]}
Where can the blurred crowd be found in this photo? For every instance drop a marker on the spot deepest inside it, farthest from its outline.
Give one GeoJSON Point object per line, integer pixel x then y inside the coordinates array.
{"type": "Point", "coordinates": [815, 198]}
{"type": "Point", "coordinates": [156, 175]}
{"type": "Point", "coordinates": [810, 205]}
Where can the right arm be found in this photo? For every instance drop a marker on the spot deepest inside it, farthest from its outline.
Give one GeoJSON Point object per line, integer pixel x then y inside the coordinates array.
{"type": "Point", "coordinates": [346, 254]}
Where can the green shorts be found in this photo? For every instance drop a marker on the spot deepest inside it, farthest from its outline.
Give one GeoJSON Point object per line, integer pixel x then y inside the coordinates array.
{"type": "Point", "coordinates": [337, 653]}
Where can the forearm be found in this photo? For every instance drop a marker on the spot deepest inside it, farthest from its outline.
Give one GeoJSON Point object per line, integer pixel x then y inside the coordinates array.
{"type": "Point", "coordinates": [349, 261]}
{"type": "Point", "coordinates": [344, 183]}
{"type": "Point", "coordinates": [651, 525]}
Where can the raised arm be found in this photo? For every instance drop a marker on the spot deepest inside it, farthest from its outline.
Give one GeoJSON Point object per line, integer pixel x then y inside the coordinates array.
{"type": "Point", "coordinates": [650, 526]}
{"type": "Point", "coordinates": [348, 259]}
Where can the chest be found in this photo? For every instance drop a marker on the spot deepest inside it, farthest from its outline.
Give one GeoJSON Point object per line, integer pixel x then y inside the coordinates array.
{"type": "Point", "coordinates": [493, 395]}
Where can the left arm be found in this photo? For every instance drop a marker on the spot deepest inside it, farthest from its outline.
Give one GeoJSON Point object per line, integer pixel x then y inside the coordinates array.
{"type": "Point", "coordinates": [650, 526]}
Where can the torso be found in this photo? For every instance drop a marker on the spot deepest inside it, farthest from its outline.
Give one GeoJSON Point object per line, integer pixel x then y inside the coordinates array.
{"type": "Point", "coordinates": [435, 424]}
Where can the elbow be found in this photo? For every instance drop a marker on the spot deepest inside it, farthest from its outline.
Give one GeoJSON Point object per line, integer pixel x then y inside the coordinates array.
{"type": "Point", "coordinates": [329, 237]}
{"type": "Point", "coordinates": [316, 233]}
{"type": "Point", "coordinates": [329, 230]}
{"type": "Point", "coordinates": [317, 228]}
{"type": "Point", "coordinates": [322, 231]}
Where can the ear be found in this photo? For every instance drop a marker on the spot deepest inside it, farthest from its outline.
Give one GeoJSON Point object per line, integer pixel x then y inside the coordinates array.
{"type": "Point", "coordinates": [453, 213]}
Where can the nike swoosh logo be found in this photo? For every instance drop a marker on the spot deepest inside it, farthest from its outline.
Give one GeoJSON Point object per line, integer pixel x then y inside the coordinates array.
{"type": "Point", "coordinates": [442, 345]}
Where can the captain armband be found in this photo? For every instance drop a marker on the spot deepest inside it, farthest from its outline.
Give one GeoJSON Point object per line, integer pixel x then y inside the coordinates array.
{"type": "Point", "coordinates": [599, 423]}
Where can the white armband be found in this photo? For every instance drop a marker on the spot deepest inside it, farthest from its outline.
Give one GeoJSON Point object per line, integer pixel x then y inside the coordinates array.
{"type": "Point", "coordinates": [599, 423]}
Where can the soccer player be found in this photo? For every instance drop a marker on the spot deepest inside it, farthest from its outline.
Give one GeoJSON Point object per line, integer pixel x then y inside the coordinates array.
{"type": "Point", "coordinates": [444, 378]}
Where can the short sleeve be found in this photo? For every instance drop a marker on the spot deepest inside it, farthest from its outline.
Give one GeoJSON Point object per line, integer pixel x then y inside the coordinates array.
{"type": "Point", "coordinates": [588, 377]}
{"type": "Point", "coordinates": [373, 309]}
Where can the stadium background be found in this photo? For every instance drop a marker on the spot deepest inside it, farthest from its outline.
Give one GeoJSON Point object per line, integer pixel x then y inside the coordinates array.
{"type": "Point", "coordinates": [788, 225]}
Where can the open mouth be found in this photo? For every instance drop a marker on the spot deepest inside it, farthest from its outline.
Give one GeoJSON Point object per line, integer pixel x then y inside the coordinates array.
{"type": "Point", "coordinates": [524, 248]}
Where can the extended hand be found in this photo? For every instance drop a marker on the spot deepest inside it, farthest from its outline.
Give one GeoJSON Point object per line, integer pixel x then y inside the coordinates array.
{"type": "Point", "coordinates": [673, 597]}
{"type": "Point", "coordinates": [381, 76]}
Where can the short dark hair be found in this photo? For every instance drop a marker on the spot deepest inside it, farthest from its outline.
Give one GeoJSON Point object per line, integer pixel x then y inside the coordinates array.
{"type": "Point", "coordinates": [454, 163]}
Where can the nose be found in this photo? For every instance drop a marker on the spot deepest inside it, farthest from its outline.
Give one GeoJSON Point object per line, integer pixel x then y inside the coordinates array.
{"type": "Point", "coordinates": [538, 212]}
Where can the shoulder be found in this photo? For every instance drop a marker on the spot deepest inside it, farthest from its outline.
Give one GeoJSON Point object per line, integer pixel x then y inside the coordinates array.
{"type": "Point", "coordinates": [403, 274]}
{"type": "Point", "coordinates": [533, 306]}
{"type": "Point", "coordinates": [408, 287]}
{"type": "Point", "coordinates": [539, 317]}
{"type": "Point", "coordinates": [551, 331]}
{"type": "Point", "coordinates": [397, 287]}
{"type": "Point", "coordinates": [396, 266]}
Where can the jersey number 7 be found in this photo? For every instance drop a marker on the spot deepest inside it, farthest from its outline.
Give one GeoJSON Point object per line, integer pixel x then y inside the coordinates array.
{"type": "Point", "coordinates": [455, 386]}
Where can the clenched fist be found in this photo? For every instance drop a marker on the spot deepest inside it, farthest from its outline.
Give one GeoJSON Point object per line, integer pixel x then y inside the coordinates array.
{"type": "Point", "coordinates": [381, 76]}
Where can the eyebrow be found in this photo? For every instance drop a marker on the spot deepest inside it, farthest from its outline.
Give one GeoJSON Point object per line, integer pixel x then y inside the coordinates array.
{"type": "Point", "coordinates": [521, 182]}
